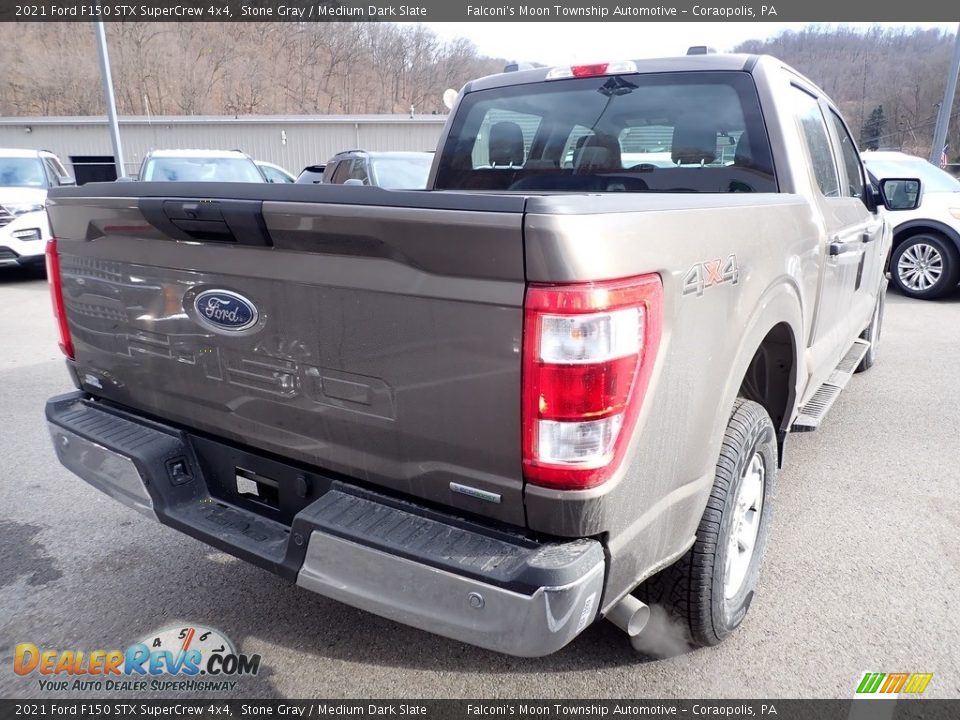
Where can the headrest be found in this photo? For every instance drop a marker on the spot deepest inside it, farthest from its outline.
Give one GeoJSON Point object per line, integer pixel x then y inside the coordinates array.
{"type": "Point", "coordinates": [694, 139]}
{"type": "Point", "coordinates": [598, 153]}
{"type": "Point", "coordinates": [506, 144]}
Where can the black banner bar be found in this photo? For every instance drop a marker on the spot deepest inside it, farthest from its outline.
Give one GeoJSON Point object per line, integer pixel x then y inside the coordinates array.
{"type": "Point", "coordinates": [474, 10]}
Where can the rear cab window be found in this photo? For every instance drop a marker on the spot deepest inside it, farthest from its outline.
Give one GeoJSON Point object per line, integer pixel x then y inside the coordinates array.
{"type": "Point", "coordinates": [656, 132]}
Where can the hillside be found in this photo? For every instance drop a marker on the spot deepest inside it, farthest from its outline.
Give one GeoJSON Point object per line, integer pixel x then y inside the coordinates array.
{"type": "Point", "coordinates": [233, 68]}
{"type": "Point", "coordinates": [889, 80]}
{"type": "Point", "coordinates": [902, 72]}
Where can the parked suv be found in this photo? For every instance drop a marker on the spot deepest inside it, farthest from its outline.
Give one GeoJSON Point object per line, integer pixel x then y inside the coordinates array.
{"type": "Point", "coordinates": [925, 262]}
{"type": "Point", "coordinates": [25, 176]}
{"type": "Point", "coordinates": [200, 166]}
{"type": "Point", "coordinates": [391, 170]}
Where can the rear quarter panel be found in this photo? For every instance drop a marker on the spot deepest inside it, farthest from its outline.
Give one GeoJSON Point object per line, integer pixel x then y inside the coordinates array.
{"type": "Point", "coordinates": [650, 509]}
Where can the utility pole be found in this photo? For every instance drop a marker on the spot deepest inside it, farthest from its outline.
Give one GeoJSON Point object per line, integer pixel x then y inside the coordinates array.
{"type": "Point", "coordinates": [943, 117]}
{"type": "Point", "coordinates": [111, 101]}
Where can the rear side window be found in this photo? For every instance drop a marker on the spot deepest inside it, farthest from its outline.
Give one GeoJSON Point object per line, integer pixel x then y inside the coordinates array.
{"type": "Point", "coordinates": [814, 131]}
{"type": "Point", "coordinates": [658, 132]}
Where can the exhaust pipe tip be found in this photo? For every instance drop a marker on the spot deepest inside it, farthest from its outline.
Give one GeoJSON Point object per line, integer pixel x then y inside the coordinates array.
{"type": "Point", "coordinates": [630, 615]}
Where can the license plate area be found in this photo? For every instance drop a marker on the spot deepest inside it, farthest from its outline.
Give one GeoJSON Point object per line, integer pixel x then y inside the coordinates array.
{"type": "Point", "coordinates": [257, 488]}
{"type": "Point", "coordinates": [240, 477]}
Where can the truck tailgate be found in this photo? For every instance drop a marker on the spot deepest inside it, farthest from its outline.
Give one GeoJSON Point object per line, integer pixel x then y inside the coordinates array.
{"type": "Point", "coordinates": [365, 332]}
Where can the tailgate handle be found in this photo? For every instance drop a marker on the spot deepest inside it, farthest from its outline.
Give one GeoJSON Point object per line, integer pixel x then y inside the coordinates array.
{"type": "Point", "coordinates": [238, 222]}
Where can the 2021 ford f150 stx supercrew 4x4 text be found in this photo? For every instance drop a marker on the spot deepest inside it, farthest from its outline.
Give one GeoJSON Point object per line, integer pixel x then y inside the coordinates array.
{"type": "Point", "coordinates": [553, 387]}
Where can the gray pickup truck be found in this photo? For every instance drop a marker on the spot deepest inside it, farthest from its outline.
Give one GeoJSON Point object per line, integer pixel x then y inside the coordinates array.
{"type": "Point", "coordinates": [553, 387]}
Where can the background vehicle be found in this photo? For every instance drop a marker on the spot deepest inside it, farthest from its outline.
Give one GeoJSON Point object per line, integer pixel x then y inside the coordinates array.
{"type": "Point", "coordinates": [312, 174]}
{"type": "Point", "coordinates": [925, 262]}
{"type": "Point", "coordinates": [495, 409]}
{"type": "Point", "coordinates": [391, 170]}
{"type": "Point", "coordinates": [274, 173]}
{"type": "Point", "coordinates": [199, 166]}
{"type": "Point", "coordinates": [25, 177]}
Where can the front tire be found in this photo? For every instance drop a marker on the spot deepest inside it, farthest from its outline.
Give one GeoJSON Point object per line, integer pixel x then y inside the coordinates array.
{"type": "Point", "coordinates": [709, 590]}
{"type": "Point", "coordinates": [925, 266]}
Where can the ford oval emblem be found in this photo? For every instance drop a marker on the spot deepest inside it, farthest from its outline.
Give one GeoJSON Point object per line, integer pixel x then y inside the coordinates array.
{"type": "Point", "coordinates": [225, 310]}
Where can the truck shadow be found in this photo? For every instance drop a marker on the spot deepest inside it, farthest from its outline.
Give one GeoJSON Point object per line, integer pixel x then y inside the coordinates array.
{"type": "Point", "coordinates": [19, 274]}
{"type": "Point", "coordinates": [156, 579]}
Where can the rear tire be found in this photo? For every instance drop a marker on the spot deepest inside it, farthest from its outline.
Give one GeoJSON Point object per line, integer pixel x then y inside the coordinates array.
{"type": "Point", "coordinates": [708, 591]}
{"type": "Point", "coordinates": [925, 266]}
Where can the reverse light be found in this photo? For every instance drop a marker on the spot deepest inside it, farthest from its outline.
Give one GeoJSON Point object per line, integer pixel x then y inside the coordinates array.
{"type": "Point", "coordinates": [580, 71]}
{"type": "Point", "coordinates": [588, 351]}
{"type": "Point", "coordinates": [56, 296]}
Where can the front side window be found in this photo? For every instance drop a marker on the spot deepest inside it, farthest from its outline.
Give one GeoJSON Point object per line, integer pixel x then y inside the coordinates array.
{"type": "Point", "coordinates": [358, 171]}
{"type": "Point", "coordinates": [656, 132]}
{"type": "Point", "coordinates": [814, 132]}
{"type": "Point", "coordinates": [53, 173]}
{"type": "Point", "coordinates": [275, 176]}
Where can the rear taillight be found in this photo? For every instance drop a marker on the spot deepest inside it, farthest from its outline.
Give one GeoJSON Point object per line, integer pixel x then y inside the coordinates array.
{"type": "Point", "coordinates": [56, 295]}
{"type": "Point", "coordinates": [588, 350]}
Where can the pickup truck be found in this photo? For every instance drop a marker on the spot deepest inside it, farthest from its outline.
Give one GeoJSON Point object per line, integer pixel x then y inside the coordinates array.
{"type": "Point", "coordinates": [553, 387]}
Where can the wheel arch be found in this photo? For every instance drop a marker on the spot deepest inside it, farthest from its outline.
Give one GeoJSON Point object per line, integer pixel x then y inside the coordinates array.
{"type": "Point", "coordinates": [770, 379]}
{"type": "Point", "coordinates": [770, 367]}
{"type": "Point", "coordinates": [912, 228]}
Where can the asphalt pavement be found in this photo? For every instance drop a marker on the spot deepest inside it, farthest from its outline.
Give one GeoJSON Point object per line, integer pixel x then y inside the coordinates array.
{"type": "Point", "coordinates": [862, 573]}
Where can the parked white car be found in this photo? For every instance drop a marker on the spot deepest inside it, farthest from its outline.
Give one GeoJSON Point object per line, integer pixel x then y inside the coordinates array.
{"type": "Point", "coordinates": [925, 260]}
{"type": "Point", "coordinates": [25, 176]}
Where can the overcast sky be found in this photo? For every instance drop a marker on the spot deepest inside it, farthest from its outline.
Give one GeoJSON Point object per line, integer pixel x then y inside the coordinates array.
{"type": "Point", "coordinates": [562, 42]}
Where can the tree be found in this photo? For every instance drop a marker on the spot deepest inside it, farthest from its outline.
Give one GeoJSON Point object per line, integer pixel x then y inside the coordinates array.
{"type": "Point", "coordinates": [873, 129]}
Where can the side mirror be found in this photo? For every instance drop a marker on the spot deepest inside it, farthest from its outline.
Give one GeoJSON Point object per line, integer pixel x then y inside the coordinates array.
{"type": "Point", "coordinates": [900, 193]}
{"type": "Point", "coordinates": [66, 181]}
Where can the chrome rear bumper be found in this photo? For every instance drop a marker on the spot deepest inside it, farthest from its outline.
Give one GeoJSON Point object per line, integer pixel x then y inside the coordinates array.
{"type": "Point", "coordinates": [456, 578]}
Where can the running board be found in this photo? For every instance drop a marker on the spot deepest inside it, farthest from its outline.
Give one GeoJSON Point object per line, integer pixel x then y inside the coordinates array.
{"type": "Point", "coordinates": [816, 408]}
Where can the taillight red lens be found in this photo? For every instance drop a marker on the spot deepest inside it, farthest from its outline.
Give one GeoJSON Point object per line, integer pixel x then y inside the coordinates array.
{"type": "Point", "coordinates": [588, 351]}
{"type": "Point", "coordinates": [580, 71]}
{"type": "Point", "coordinates": [56, 295]}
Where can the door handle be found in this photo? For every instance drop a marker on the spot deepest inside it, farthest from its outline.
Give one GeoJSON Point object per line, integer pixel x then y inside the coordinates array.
{"type": "Point", "coordinates": [839, 248]}
{"type": "Point", "coordinates": [870, 236]}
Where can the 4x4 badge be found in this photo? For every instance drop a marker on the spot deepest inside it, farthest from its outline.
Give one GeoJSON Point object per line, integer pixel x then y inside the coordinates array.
{"type": "Point", "coordinates": [710, 273]}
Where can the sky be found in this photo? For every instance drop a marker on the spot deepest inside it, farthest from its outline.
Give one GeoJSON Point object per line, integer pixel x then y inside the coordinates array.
{"type": "Point", "coordinates": [573, 42]}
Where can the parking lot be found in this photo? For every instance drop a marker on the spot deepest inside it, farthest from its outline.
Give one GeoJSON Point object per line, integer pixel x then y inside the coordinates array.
{"type": "Point", "coordinates": [862, 573]}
